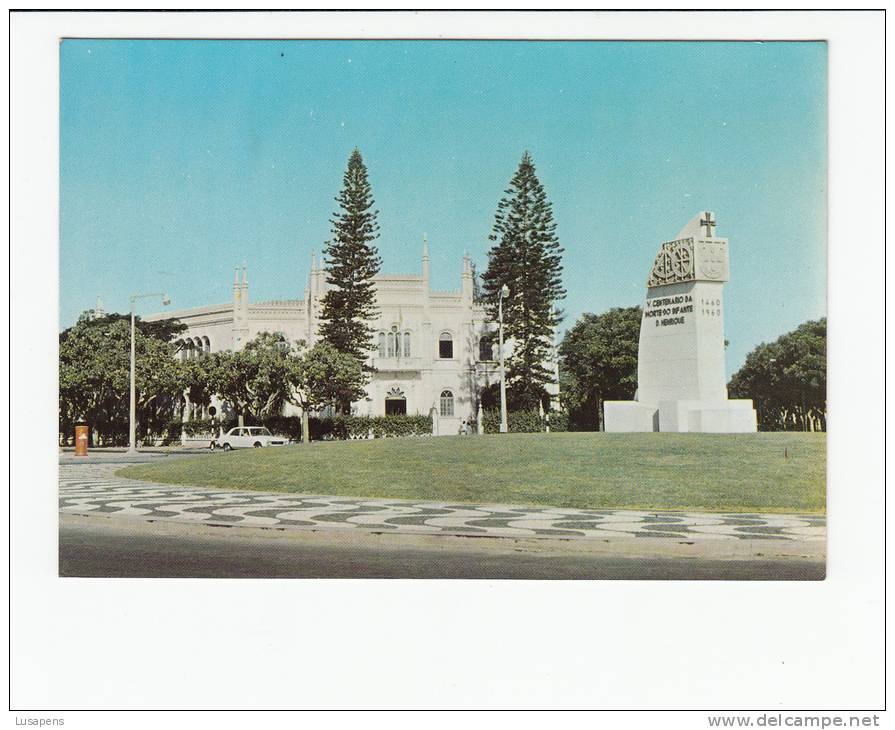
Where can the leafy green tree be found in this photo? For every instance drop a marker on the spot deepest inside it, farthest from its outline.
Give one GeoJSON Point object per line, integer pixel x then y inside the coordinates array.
{"type": "Point", "coordinates": [254, 380]}
{"type": "Point", "coordinates": [94, 376]}
{"type": "Point", "coordinates": [166, 330]}
{"type": "Point", "coordinates": [259, 380]}
{"type": "Point", "coordinates": [351, 262]}
{"type": "Point", "coordinates": [198, 379]}
{"type": "Point", "coordinates": [787, 380]}
{"type": "Point", "coordinates": [527, 258]}
{"type": "Point", "coordinates": [159, 386]}
{"type": "Point", "coordinates": [598, 362]}
{"type": "Point", "coordinates": [323, 376]}
{"type": "Point", "coordinates": [268, 364]}
{"type": "Point", "coordinates": [228, 376]}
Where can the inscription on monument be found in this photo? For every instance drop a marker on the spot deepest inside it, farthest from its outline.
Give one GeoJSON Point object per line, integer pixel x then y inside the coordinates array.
{"type": "Point", "coordinates": [668, 311]}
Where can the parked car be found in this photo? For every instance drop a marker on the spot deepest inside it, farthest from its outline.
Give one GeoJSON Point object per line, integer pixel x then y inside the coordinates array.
{"type": "Point", "coordinates": [246, 437]}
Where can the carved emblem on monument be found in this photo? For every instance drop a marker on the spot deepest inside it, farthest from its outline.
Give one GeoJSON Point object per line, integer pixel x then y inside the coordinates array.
{"type": "Point", "coordinates": [674, 263]}
{"type": "Point", "coordinates": [711, 259]}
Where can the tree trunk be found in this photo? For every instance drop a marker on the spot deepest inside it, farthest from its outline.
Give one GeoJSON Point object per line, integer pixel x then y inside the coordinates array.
{"type": "Point", "coordinates": [305, 427]}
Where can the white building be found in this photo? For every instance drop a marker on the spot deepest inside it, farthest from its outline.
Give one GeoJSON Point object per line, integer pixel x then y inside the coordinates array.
{"type": "Point", "coordinates": [431, 353]}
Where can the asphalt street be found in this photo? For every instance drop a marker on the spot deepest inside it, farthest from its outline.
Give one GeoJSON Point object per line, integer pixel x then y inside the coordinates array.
{"type": "Point", "coordinates": [102, 546]}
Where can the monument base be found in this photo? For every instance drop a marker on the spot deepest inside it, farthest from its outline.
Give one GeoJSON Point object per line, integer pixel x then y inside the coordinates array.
{"type": "Point", "coordinates": [681, 416]}
{"type": "Point", "coordinates": [625, 416]}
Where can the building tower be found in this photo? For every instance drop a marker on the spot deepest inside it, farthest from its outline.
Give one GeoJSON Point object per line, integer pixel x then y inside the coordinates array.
{"type": "Point", "coordinates": [240, 308]}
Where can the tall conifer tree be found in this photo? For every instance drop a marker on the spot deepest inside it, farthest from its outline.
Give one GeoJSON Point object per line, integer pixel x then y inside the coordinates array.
{"type": "Point", "coordinates": [527, 258]}
{"type": "Point", "coordinates": [351, 262]}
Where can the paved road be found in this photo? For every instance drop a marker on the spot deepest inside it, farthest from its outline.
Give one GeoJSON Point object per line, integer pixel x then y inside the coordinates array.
{"type": "Point", "coordinates": [107, 546]}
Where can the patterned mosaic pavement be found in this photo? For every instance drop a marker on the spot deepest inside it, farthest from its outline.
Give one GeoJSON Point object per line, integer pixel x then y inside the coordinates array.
{"type": "Point", "coordinates": [89, 489]}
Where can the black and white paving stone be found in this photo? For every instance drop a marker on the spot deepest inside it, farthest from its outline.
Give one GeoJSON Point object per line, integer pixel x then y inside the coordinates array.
{"type": "Point", "coordinates": [89, 489]}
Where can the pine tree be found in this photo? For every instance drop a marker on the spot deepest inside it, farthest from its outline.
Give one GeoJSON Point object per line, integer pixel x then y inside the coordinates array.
{"type": "Point", "coordinates": [351, 262]}
{"type": "Point", "coordinates": [527, 258]}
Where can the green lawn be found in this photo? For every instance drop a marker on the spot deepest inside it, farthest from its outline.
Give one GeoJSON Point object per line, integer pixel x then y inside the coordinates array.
{"type": "Point", "coordinates": [766, 472]}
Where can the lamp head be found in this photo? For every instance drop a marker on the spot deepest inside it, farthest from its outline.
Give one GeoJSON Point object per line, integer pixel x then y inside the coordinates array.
{"type": "Point", "coordinates": [166, 300]}
{"type": "Point", "coordinates": [504, 291]}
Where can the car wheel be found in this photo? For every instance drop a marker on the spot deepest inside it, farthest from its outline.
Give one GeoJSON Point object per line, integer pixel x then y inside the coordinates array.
{"type": "Point", "coordinates": [212, 446]}
{"type": "Point", "coordinates": [227, 447]}
{"type": "Point", "coordinates": [257, 444]}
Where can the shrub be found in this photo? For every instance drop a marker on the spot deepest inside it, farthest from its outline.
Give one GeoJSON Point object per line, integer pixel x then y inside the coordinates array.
{"type": "Point", "coordinates": [288, 426]}
{"type": "Point", "coordinates": [176, 428]}
{"type": "Point", "coordinates": [525, 421]}
{"type": "Point", "coordinates": [559, 421]}
{"type": "Point", "coordinates": [172, 432]}
{"type": "Point", "coordinates": [517, 421]}
{"type": "Point", "coordinates": [361, 427]}
{"type": "Point", "coordinates": [401, 426]}
{"type": "Point", "coordinates": [199, 427]}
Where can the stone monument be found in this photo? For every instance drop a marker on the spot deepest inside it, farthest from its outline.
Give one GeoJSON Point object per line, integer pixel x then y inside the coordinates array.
{"type": "Point", "coordinates": [681, 385]}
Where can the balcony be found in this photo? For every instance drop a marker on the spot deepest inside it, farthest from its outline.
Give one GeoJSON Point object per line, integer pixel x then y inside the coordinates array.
{"type": "Point", "coordinates": [395, 364]}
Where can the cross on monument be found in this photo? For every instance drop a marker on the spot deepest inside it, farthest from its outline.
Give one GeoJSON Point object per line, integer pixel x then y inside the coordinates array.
{"type": "Point", "coordinates": [708, 223]}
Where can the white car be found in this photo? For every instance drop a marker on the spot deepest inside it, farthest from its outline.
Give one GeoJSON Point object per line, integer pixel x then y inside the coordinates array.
{"type": "Point", "coordinates": [246, 437]}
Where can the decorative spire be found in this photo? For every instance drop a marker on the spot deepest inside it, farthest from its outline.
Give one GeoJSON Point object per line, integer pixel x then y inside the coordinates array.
{"type": "Point", "coordinates": [236, 277]}
{"type": "Point", "coordinates": [467, 287]}
{"type": "Point", "coordinates": [425, 246]}
{"type": "Point", "coordinates": [313, 261]}
{"type": "Point", "coordinates": [245, 277]}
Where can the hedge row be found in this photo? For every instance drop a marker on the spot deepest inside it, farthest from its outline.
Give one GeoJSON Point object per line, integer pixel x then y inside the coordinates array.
{"type": "Point", "coordinates": [351, 427]}
{"type": "Point", "coordinates": [335, 427]}
{"type": "Point", "coordinates": [199, 427]}
{"type": "Point", "coordinates": [525, 421]}
{"type": "Point", "coordinates": [361, 427]}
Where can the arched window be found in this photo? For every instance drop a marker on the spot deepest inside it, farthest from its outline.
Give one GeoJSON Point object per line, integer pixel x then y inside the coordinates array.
{"type": "Point", "coordinates": [382, 344]}
{"type": "Point", "coordinates": [486, 349]}
{"type": "Point", "coordinates": [406, 344]}
{"type": "Point", "coordinates": [391, 344]}
{"type": "Point", "coordinates": [447, 403]}
{"type": "Point", "coordinates": [445, 346]}
{"type": "Point", "coordinates": [207, 343]}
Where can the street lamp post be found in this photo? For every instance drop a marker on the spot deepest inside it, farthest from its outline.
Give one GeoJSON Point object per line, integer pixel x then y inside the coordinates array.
{"type": "Point", "coordinates": [132, 436]}
{"type": "Point", "coordinates": [504, 292]}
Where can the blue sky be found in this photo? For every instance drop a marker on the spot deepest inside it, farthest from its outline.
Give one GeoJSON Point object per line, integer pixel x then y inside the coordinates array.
{"type": "Point", "coordinates": [182, 159]}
